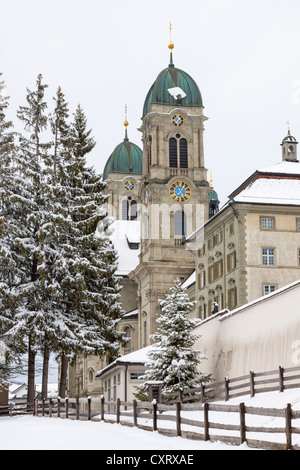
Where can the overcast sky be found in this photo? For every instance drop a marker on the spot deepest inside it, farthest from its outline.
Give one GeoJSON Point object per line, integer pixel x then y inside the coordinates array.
{"type": "Point", "coordinates": [243, 55]}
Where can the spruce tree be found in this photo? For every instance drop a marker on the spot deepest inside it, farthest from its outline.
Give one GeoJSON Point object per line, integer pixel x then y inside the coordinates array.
{"type": "Point", "coordinates": [173, 342]}
{"type": "Point", "coordinates": [10, 212]}
{"type": "Point", "coordinates": [90, 288]}
{"type": "Point", "coordinates": [32, 161]}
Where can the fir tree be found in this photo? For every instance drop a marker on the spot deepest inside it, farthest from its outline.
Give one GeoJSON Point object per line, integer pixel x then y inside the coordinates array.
{"type": "Point", "coordinates": [10, 211]}
{"type": "Point", "coordinates": [90, 289]}
{"type": "Point", "coordinates": [32, 161]}
{"type": "Point", "coordinates": [173, 345]}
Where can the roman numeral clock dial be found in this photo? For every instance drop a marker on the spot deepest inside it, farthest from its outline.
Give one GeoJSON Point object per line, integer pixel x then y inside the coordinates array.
{"type": "Point", "coordinates": [180, 191]}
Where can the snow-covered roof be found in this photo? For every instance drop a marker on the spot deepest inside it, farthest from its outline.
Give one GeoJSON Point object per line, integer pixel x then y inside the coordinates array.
{"type": "Point", "coordinates": [125, 233]}
{"type": "Point", "coordinates": [264, 298]}
{"type": "Point", "coordinates": [283, 167]}
{"type": "Point", "coordinates": [276, 184]}
{"type": "Point", "coordinates": [136, 357]}
{"type": "Point", "coordinates": [190, 280]}
{"type": "Point", "coordinates": [271, 191]}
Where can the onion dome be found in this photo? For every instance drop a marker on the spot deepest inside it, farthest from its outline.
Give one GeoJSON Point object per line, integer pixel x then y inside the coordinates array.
{"type": "Point", "coordinates": [173, 87]}
{"type": "Point", "coordinates": [127, 158]}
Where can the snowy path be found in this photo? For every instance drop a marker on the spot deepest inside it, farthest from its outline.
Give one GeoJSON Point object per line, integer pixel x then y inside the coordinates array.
{"type": "Point", "coordinates": [37, 433]}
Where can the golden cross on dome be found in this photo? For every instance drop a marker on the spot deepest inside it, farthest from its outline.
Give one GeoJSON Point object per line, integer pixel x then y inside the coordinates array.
{"type": "Point", "coordinates": [126, 123]}
{"type": "Point", "coordinates": [171, 45]}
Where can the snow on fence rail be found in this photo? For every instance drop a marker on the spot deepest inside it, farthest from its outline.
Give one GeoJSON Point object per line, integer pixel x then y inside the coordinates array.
{"type": "Point", "coordinates": [192, 420]}
{"type": "Point", "coordinates": [255, 382]}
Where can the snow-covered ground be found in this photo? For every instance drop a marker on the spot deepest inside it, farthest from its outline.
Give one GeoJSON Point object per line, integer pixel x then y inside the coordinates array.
{"type": "Point", "coordinates": [28, 432]}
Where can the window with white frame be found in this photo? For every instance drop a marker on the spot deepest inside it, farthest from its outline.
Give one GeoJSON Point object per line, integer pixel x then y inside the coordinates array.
{"type": "Point", "coordinates": [268, 256]}
{"type": "Point", "coordinates": [269, 288]}
{"type": "Point", "coordinates": [267, 223]}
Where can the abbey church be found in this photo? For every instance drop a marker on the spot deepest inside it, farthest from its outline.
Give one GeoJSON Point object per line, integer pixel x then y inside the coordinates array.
{"type": "Point", "coordinates": [161, 197]}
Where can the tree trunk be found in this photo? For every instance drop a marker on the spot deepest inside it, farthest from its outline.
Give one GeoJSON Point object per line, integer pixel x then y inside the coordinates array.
{"type": "Point", "coordinates": [31, 374]}
{"type": "Point", "coordinates": [45, 371]}
{"type": "Point", "coordinates": [63, 376]}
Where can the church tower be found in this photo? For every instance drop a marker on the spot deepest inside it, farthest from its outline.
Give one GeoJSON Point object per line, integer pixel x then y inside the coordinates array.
{"type": "Point", "coordinates": [174, 190]}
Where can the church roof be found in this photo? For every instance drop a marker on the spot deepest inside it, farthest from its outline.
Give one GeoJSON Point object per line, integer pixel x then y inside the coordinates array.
{"type": "Point", "coordinates": [174, 87]}
{"type": "Point", "coordinates": [127, 158]}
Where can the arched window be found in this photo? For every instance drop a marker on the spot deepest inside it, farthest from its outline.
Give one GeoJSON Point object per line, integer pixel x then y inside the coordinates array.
{"type": "Point", "coordinates": [125, 209]}
{"type": "Point", "coordinates": [173, 152]}
{"type": "Point", "coordinates": [179, 223]}
{"type": "Point", "coordinates": [133, 210]}
{"type": "Point", "coordinates": [178, 146]}
{"type": "Point", "coordinates": [129, 209]}
{"type": "Point", "coordinates": [183, 153]}
{"type": "Point", "coordinates": [127, 331]}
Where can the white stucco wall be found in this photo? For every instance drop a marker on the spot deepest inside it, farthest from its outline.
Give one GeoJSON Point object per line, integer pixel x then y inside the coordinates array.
{"type": "Point", "coordinates": [257, 337]}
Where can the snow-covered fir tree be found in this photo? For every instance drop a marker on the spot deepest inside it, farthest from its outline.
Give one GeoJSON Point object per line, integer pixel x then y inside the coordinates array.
{"type": "Point", "coordinates": [10, 212]}
{"type": "Point", "coordinates": [90, 290]}
{"type": "Point", "coordinates": [172, 347]}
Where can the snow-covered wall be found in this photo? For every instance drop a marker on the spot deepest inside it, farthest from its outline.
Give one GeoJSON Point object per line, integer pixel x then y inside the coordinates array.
{"type": "Point", "coordinates": [259, 336]}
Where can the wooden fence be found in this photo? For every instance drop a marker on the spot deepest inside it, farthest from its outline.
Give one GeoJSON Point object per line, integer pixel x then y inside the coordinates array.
{"type": "Point", "coordinates": [172, 419]}
{"type": "Point", "coordinates": [16, 409]}
{"type": "Point", "coordinates": [253, 383]}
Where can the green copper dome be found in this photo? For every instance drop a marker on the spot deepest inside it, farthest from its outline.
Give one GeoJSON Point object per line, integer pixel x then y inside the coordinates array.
{"type": "Point", "coordinates": [213, 196]}
{"type": "Point", "coordinates": [169, 78]}
{"type": "Point", "coordinates": [126, 158]}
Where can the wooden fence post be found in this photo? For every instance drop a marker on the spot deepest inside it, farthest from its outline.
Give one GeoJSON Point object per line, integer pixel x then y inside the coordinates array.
{"type": "Point", "coordinates": [58, 407]}
{"type": "Point", "coordinates": [118, 410]}
{"type": "Point", "coordinates": [288, 426]}
{"type": "Point", "coordinates": [242, 423]}
{"type": "Point", "coordinates": [206, 423]}
{"type": "Point", "coordinates": [252, 390]}
{"type": "Point", "coordinates": [178, 421]}
{"type": "Point", "coordinates": [50, 407]}
{"type": "Point", "coordinates": [226, 385]}
{"type": "Point", "coordinates": [43, 406]}
{"type": "Point", "coordinates": [154, 402]}
{"type": "Point", "coordinates": [102, 408]}
{"type": "Point", "coordinates": [11, 409]}
{"type": "Point", "coordinates": [77, 407]}
{"type": "Point", "coordinates": [202, 393]}
{"type": "Point", "coordinates": [281, 384]}
{"type": "Point", "coordinates": [89, 408]}
{"type": "Point", "coordinates": [67, 407]}
{"type": "Point", "coordinates": [134, 403]}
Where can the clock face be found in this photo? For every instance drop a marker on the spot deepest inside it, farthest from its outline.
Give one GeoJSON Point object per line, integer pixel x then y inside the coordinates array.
{"type": "Point", "coordinates": [180, 191]}
{"type": "Point", "coordinates": [177, 120]}
{"type": "Point", "coordinates": [129, 185]}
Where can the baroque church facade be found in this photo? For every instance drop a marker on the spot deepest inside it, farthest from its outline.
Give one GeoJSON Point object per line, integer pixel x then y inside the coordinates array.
{"type": "Point", "coordinates": [168, 225]}
{"type": "Point", "coordinates": [158, 195]}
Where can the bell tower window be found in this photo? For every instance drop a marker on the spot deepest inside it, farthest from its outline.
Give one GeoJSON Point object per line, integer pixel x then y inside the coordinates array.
{"type": "Point", "coordinates": [179, 223]}
{"type": "Point", "coordinates": [178, 147]}
{"type": "Point", "coordinates": [173, 152]}
{"type": "Point", "coordinates": [129, 209]}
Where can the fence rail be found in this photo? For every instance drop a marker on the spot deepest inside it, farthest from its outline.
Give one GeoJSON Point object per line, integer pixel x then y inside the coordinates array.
{"type": "Point", "coordinates": [16, 409]}
{"type": "Point", "coordinates": [253, 383]}
{"type": "Point", "coordinates": [171, 419]}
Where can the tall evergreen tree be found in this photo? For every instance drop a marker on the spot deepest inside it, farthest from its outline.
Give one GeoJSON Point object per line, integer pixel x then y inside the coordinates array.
{"type": "Point", "coordinates": [90, 288]}
{"type": "Point", "coordinates": [10, 211]}
{"type": "Point", "coordinates": [173, 345]}
{"type": "Point", "coordinates": [32, 160]}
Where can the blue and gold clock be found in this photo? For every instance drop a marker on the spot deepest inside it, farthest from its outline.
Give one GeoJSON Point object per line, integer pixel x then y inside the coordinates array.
{"type": "Point", "coordinates": [180, 191]}
{"type": "Point", "coordinates": [129, 185]}
{"type": "Point", "coordinates": [177, 120]}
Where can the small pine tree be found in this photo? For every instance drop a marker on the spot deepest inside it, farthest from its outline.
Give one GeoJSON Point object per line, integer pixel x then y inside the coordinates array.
{"type": "Point", "coordinates": [173, 343]}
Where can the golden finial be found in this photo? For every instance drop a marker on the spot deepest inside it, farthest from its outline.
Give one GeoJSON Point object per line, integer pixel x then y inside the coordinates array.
{"type": "Point", "coordinates": [211, 181]}
{"type": "Point", "coordinates": [126, 123]}
{"type": "Point", "coordinates": [171, 45]}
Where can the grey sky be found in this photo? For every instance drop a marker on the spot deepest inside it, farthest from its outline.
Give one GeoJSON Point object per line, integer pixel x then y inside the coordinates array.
{"type": "Point", "coordinates": [243, 55]}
